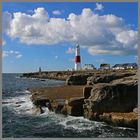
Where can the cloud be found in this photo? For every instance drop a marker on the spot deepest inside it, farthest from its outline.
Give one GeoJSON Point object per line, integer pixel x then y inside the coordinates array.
{"type": "Point", "coordinates": [56, 12]}
{"type": "Point", "coordinates": [70, 51]}
{"type": "Point", "coordinates": [6, 21]}
{"type": "Point", "coordinates": [99, 7]}
{"type": "Point", "coordinates": [19, 56]}
{"type": "Point", "coordinates": [98, 34]}
{"type": "Point", "coordinates": [11, 53]}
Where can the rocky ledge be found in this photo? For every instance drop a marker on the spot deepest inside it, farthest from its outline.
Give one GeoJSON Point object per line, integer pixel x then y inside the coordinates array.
{"type": "Point", "coordinates": [109, 97]}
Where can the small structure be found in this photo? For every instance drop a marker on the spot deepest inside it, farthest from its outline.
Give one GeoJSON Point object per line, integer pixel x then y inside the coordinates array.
{"type": "Point", "coordinates": [40, 71]}
{"type": "Point", "coordinates": [104, 66]}
{"type": "Point", "coordinates": [125, 66]}
{"type": "Point", "coordinates": [130, 66]}
{"type": "Point", "coordinates": [118, 67]}
{"type": "Point", "coordinates": [89, 67]}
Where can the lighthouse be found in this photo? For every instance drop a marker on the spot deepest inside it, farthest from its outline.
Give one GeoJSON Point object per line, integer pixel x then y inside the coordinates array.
{"type": "Point", "coordinates": [77, 58]}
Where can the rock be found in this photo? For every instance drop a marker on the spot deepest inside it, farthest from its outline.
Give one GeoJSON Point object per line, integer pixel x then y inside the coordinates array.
{"type": "Point", "coordinates": [57, 105]}
{"type": "Point", "coordinates": [126, 80]}
{"type": "Point", "coordinates": [76, 101]}
{"type": "Point", "coordinates": [88, 113]}
{"type": "Point", "coordinates": [59, 108]}
{"type": "Point", "coordinates": [37, 110]}
{"type": "Point", "coordinates": [66, 110]}
{"type": "Point", "coordinates": [73, 107]}
{"type": "Point", "coordinates": [119, 97]}
{"type": "Point", "coordinates": [76, 105]}
{"type": "Point", "coordinates": [49, 106]}
{"type": "Point", "coordinates": [41, 102]}
{"type": "Point", "coordinates": [56, 98]}
{"type": "Point", "coordinates": [135, 110]}
{"type": "Point", "coordinates": [76, 111]}
{"type": "Point", "coordinates": [87, 92]}
{"type": "Point", "coordinates": [18, 105]}
{"type": "Point", "coordinates": [129, 120]}
{"type": "Point", "coordinates": [19, 102]}
{"type": "Point", "coordinates": [106, 78]}
{"type": "Point", "coordinates": [56, 93]}
{"type": "Point", "coordinates": [4, 102]}
{"type": "Point", "coordinates": [54, 105]}
{"type": "Point", "coordinates": [77, 79]}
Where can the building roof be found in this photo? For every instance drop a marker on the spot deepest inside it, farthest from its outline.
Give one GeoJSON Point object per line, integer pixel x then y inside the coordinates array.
{"type": "Point", "coordinates": [104, 65]}
{"type": "Point", "coordinates": [125, 65]}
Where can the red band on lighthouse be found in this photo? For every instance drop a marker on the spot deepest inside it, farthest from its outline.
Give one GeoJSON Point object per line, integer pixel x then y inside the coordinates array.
{"type": "Point", "coordinates": [77, 59]}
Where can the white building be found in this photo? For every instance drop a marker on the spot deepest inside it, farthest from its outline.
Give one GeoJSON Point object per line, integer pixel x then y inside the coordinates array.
{"type": "Point", "coordinates": [88, 67]}
{"type": "Point", "coordinates": [125, 66]}
{"type": "Point", "coordinates": [105, 66]}
{"type": "Point", "coordinates": [118, 67]}
{"type": "Point", "coordinates": [40, 71]}
{"type": "Point", "coordinates": [131, 66]}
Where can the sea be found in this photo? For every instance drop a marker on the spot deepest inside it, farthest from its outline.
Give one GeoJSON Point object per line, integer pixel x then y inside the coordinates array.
{"type": "Point", "coordinates": [19, 122]}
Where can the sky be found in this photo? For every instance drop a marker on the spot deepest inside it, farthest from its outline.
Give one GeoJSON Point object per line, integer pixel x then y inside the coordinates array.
{"type": "Point", "coordinates": [45, 34]}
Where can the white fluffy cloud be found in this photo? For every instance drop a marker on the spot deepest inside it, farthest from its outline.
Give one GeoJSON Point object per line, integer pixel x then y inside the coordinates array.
{"type": "Point", "coordinates": [99, 34]}
{"type": "Point", "coordinates": [56, 12]}
{"type": "Point", "coordinates": [99, 7]}
{"type": "Point", "coordinates": [12, 53]}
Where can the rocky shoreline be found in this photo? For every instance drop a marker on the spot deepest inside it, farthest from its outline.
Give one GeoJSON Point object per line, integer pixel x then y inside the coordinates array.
{"type": "Point", "coordinates": [111, 97]}
{"type": "Point", "coordinates": [63, 75]}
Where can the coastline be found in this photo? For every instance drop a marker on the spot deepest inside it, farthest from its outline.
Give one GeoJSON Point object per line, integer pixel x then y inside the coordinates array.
{"type": "Point", "coordinates": [91, 100]}
{"type": "Point", "coordinates": [63, 75]}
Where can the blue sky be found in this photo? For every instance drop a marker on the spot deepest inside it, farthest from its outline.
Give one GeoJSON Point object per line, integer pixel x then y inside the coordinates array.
{"type": "Point", "coordinates": [26, 56]}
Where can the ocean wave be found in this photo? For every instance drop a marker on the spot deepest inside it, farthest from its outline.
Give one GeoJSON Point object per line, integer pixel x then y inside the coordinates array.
{"type": "Point", "coordinates": [20, 104]}
{"type": "Point", "coordinates": [80, 123]}
{"type": "Point", "coordinates": [123, 128]}
{"type": "Point", "coordinates": [29, 78]}
{"type": "Point", "coordinates": [24, 91]}
{"type": "Point", "coordinates": [46, 111]}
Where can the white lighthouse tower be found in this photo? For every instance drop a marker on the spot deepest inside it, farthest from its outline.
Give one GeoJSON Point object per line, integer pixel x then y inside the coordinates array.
{"type": "Point", "coordinates": [77, 58]}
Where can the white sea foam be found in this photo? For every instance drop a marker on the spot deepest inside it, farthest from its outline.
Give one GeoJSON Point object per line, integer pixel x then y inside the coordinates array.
{"type": "Point", "coordinates": [20, 104]}
{"type": "Point", "coordinates": [80, 123]}
{"type": "Point", "coordinates": [27, 78]}
{"type": "Point", "coordinates": [24, 91]}
{"type": "Point", "coordinates": [46, 111]}
{"type": "Point", "coordinates": [124, 128]}
{"type": "Point", "coordinates": [17, 77]}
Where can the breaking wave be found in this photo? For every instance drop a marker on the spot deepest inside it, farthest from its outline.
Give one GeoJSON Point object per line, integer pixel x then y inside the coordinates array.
{"type": "Point", "coordinates": [20, 104]}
